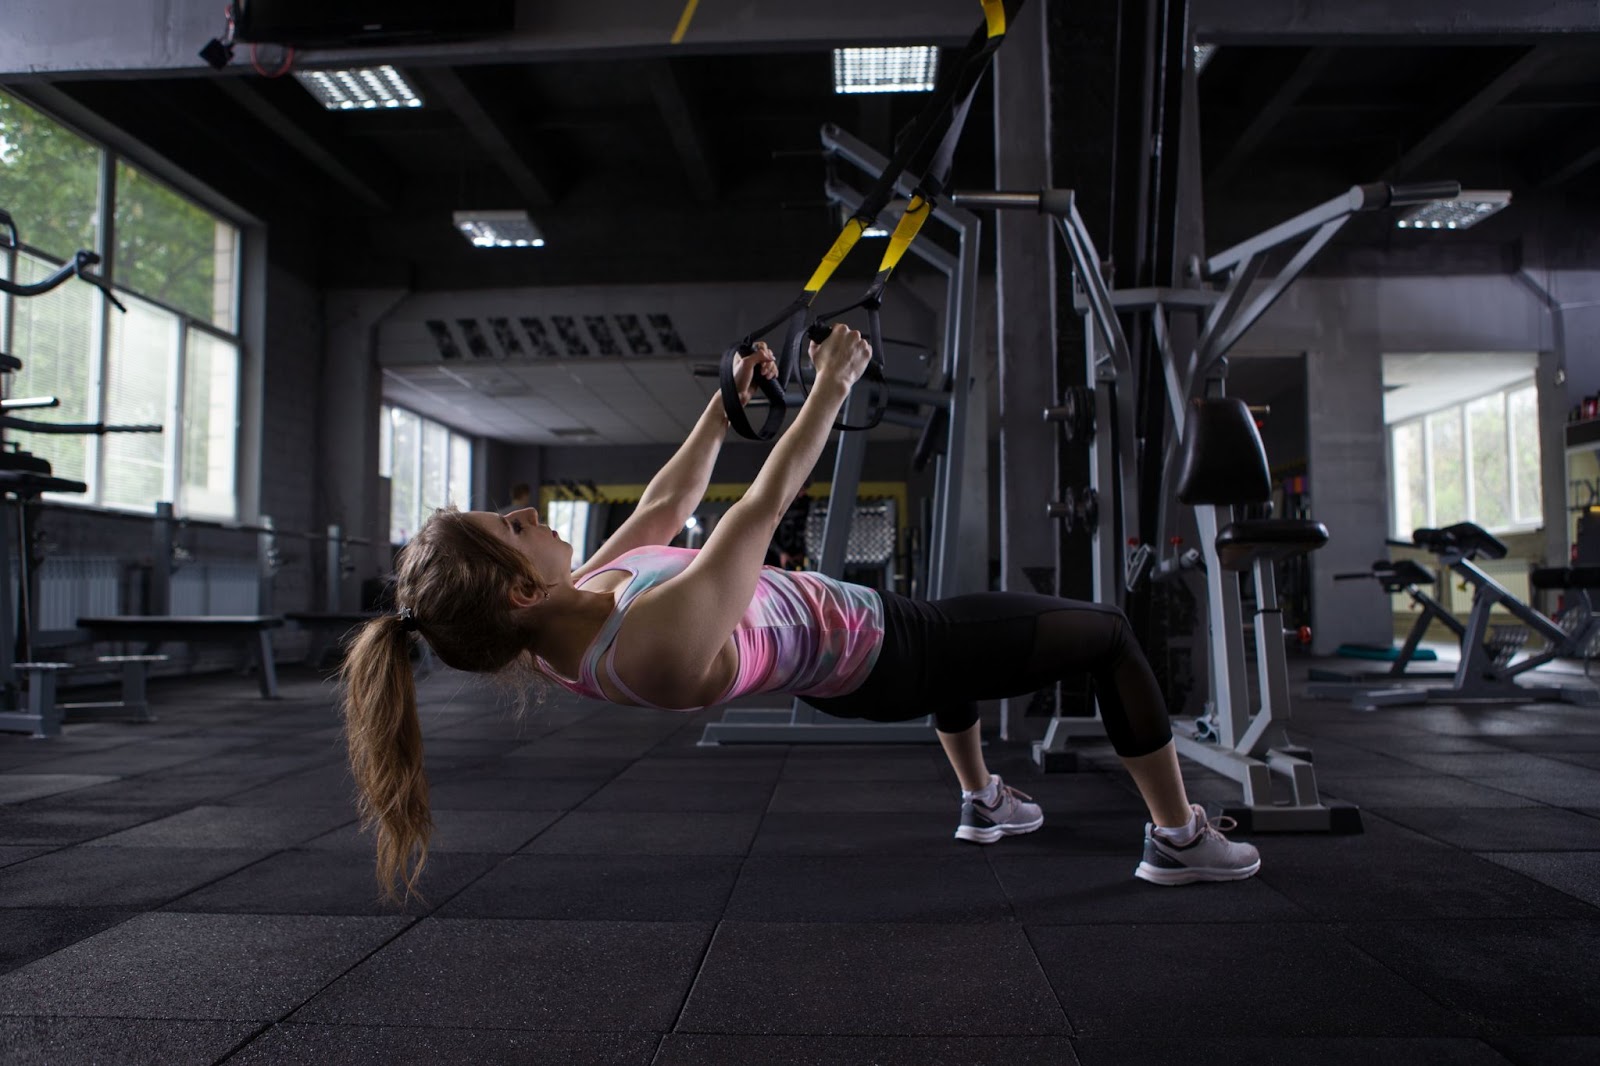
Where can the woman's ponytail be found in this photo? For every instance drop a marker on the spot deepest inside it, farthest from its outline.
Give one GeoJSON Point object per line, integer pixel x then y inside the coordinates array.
{"type": "Point", "coordinates": [383, 735]}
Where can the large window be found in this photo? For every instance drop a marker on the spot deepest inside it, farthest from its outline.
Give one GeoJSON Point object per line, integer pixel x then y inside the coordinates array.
{"type": "Point", "coordinates": [428, 466]}
{"type": "Point", "coordinates": [171, 361]}
{"type": "Point", "coordinates": [1475, 461]}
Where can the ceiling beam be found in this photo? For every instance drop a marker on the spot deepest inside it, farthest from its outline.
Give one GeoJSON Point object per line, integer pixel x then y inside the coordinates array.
{"type": "Point", "coordinates": [293, 133]}
{"type": "Point", "coordinates": [1310, 67]}
{"type": "Point", "coordinates": [488, 128]}
{"type": "Point", "coordinates": [1574, 165]}
{"type": "Point", "coordinates": [1385, 22]}
{"type": "Point", "coordinates": [1479, 104]}
{"type": "Point", "coordinates": [688, 136]}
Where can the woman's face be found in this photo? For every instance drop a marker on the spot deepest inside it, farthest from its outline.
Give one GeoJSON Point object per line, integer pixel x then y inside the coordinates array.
{"type": "Point", "coordinates": [539, 544]}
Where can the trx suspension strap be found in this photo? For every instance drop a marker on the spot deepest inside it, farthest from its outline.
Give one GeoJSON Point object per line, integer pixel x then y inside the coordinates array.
{"type": "Point", "coordinates": [917, 153]}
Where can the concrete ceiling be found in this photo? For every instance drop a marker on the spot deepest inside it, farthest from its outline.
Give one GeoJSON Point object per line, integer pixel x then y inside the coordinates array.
{"type": "Point", "coordinates": [647, 163]}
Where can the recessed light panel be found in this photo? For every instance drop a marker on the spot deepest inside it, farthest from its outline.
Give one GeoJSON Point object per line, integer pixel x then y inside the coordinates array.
{"type": "Point", "coordinates": [885, 70]}
{"type": "Point", "coordinates": [360, 89]}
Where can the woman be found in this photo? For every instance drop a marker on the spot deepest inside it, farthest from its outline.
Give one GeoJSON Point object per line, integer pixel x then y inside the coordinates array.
{"type": "Point", "coordinates": [647, 625]}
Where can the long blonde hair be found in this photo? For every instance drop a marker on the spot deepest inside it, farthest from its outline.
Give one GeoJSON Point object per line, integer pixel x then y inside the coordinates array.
{"type": "Point", "coordinates": [454, 578]}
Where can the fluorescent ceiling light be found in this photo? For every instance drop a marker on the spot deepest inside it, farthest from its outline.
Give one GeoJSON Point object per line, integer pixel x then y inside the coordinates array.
{"type": "Point", "coordinates": [885, 70]}
{"type": "Point", "coordinates": [360, 89]}
{"type": "Point", "coordinates": [1202, 56]}
{"type": "Point", "coordinates": [1468, 209]}
{"type": "Point", "coordinates": [499, 229]}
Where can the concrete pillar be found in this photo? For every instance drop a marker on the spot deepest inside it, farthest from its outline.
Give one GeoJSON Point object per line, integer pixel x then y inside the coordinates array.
{"type": "Point", "coordinates": [353, 395]}
{"type": "Point", "coordinates": [1025, 278]}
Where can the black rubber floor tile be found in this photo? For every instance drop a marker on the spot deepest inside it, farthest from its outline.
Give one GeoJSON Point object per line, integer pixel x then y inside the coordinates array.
{"type": "Point", "coordinates": [1588, 759]}
{"type": "Point", "coordinates": [157, 791]}
{"type": "Point", "coordinates": [1580, 788]}
{"type": "Point", "coordinates": [848, 768]}
{"type": "Point", "coordinates": [954, 890]}
{"type": "Point", "coordinates": [1477, 767]}
{"type": "Point", "coordinates": [1077, 831]}
{"type": "Point", "coordinates": [727, 797]}
{"type": "Point", "coordinates": [355, 1045]}
{"type": "Point", "coordinates": [48, 824]}
{"type": "Point", "coordinates": [634, 888]}
{"type": "Point", "coordinates": [1289, 1051]}
{"type": "Point", "coordinates": [561, 976]}
{"type": "Point", "coordinates": [1263, 979]}
{"type": "Point", "coordinates": [1554, 743]}
{"type": "Point", "coordinates": [1505, 977]}
{"type": "Point", "coordinates": [1550, 1050]}
{"type": "Point", "coordinates": [855, 980]}
{"type": "Point", "coordinates": [1052, 890]}
{"type": "Point", "coordinates": [195, 966]}
{"type": "Point", "coordinates": [488, 832]}
{"type": "Point", "coordinates": [704, 1049]}
{"type": "Point", "coordinates": [509, 794]}
{"type": "Point", "coordinates": [328, 785]}
{"type": "Point", "coordinates": [231, 827]}
{"type": "Point", "coordinates": [330, 882]}
{"type": "Point", "coordinates": [1418, 792]}
{"type": "Point", "coordinates": [28, 934]}
{"type": "Point", "coordinates": [56, 1041]}
{"type": "Point", "coordinates": [555, 748]}
{"type": "Point", "coordinates": [1389, 872]}
{"type": "Point", "coordinates": [1514, 829]}
{"type": "Point", "coordinates": [647, 833]}
{"type": "Point", "coordinates": [865, 797]}
{"type": "Point", "coordinates": [9, 855]}
{"type": "Point", "coordinates": [1576, 873]}
{"type": "Point", "coordinates": [928, 832]}
{"type": "Point", "coordinates": [158, 753]}
{"type": "Point", "coordinates": [666, 768]}
{"type": "Point", "coordinates": [21, 787]}
{"type": "Point", "coordinates": [117, 877]}
{"type": "Point", "coordinates": [538, 768]}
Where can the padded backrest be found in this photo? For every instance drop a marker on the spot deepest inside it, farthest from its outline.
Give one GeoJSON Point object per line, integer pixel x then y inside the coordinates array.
{"type": "Point", "coordinates": [1224, 462]}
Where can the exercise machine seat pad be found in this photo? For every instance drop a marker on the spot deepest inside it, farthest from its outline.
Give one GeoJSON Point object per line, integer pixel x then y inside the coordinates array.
{"type": "Point", "coordinates": [1224, 462]}
{"type": "Point", "coordinates": [1466, 537]}
{"type": "Point", "coordinates": [1241, 543]}
{"type": "Point", "coordinates": [1566, 577]}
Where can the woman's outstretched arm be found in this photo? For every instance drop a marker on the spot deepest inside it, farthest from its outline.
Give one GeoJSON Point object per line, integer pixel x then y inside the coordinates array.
{"type": "Point", "coordinates": [680, 485]}
{"type": "Point", "coordinates": [693, 614]}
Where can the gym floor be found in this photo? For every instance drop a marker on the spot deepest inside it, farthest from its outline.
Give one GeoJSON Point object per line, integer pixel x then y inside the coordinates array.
{"type": "Point", "coordinates": [604, 891]}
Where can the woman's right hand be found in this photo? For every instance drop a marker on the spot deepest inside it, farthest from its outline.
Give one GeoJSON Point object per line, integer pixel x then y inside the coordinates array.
{"type": "Point", "coordinates": [842, 357]}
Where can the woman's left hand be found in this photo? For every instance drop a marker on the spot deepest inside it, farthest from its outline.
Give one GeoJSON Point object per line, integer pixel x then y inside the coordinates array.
{"type": "Point", "coordinates": [746, 367]}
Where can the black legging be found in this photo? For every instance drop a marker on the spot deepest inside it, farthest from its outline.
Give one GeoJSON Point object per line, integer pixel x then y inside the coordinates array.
{"type": "Point", "coordinates": [941, 657]}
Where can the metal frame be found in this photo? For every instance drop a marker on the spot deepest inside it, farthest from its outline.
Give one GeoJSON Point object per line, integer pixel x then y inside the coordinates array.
{"type": "Point", "coordinates": [1247, 746]}
{"type": "Point", "coordinates": [1478, 678]}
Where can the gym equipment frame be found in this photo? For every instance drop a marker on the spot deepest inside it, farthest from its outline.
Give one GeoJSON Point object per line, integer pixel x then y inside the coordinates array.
{"type": "Point", "coordinates": [1247, 746]}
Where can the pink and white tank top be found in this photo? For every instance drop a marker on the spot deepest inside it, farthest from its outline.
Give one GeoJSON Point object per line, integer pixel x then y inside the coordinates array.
{"type": "Point", "coordinates": [803, 633]}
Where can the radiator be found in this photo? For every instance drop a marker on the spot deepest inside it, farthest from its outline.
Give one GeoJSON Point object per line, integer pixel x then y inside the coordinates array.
{"type": "Point", "coordinates": [216, 588]}
{"type": "Point", "coordinates": [71, 587]}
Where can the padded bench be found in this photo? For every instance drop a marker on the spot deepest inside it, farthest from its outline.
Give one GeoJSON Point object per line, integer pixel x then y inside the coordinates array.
{"type": "Point", "coordinates": [197, 629]}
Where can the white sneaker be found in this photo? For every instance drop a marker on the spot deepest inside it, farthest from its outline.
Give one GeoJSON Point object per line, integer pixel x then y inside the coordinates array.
{"type": "Point", "coordinates": [1210, 856]}
{"type": "Point", "coordinates": [983, 823]}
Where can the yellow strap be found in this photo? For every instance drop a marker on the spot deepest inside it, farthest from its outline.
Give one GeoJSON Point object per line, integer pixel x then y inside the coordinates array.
{"type": "Point", "coordinates": [994, 13]}
{"type": "Point", "coordinates": [688, 13]}
{"type": "Point", "coordinates": [841, 247]}
{"type": "Point", "coordinates": [905, 231]}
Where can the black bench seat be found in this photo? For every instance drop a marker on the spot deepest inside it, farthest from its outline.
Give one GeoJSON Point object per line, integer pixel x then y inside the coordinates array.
{"type": "Point", "coordinates": [320, 623]}
{"type": "Point", "coordinates": [196, 629]}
